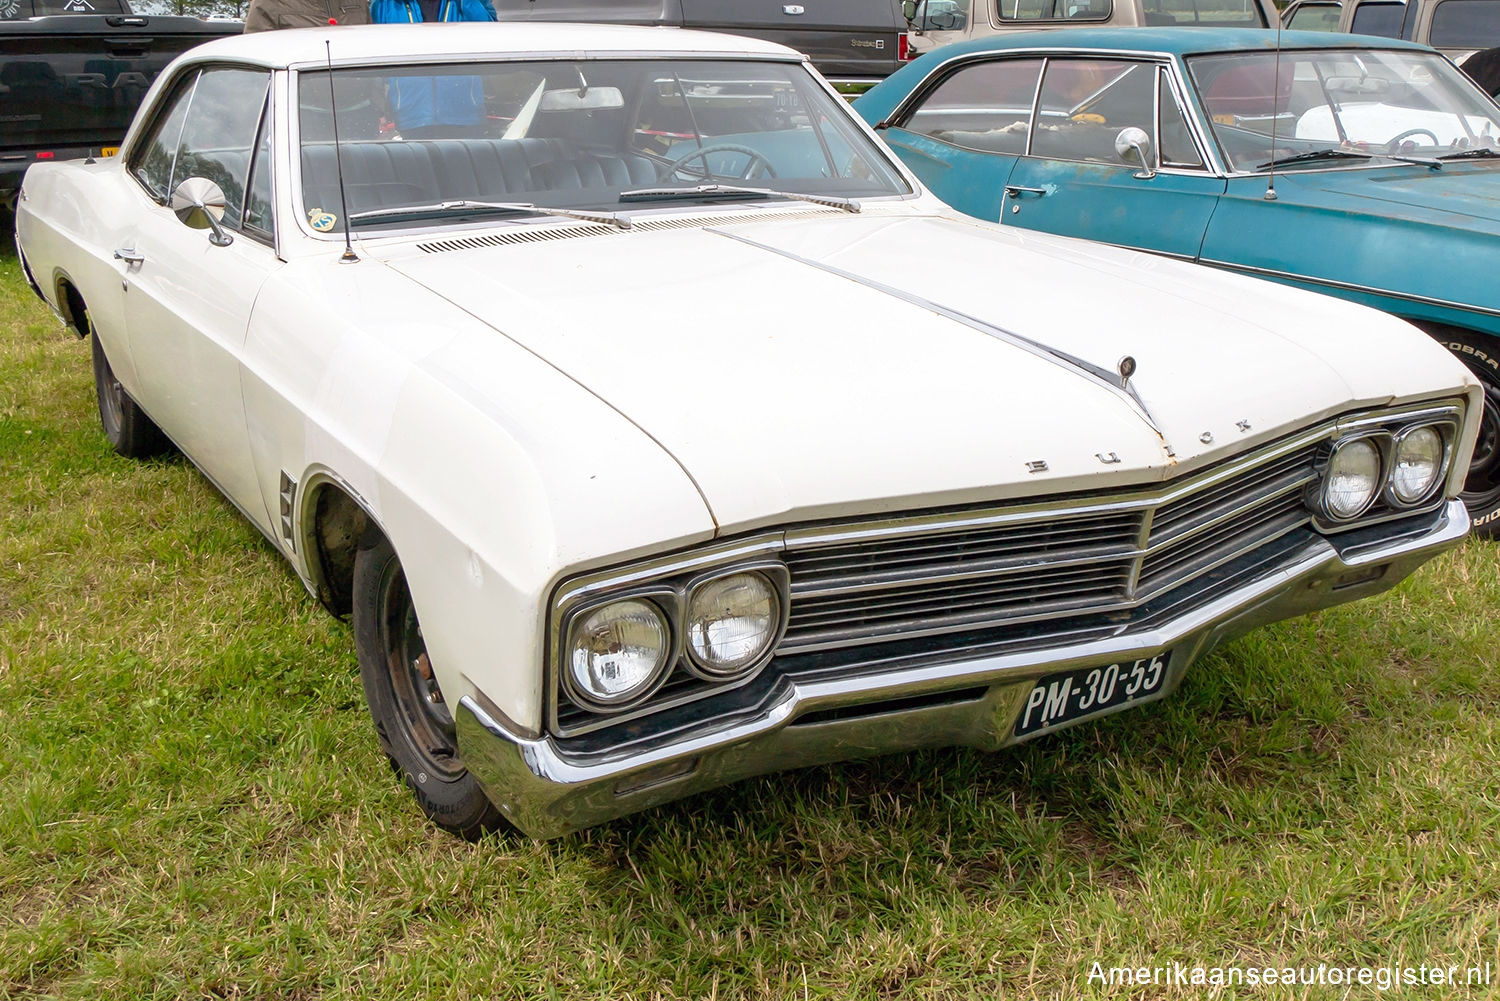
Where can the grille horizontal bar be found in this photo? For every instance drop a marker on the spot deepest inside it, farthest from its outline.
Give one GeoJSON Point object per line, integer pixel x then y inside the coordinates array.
{"type": "Point", "coordinates": [870, 583]}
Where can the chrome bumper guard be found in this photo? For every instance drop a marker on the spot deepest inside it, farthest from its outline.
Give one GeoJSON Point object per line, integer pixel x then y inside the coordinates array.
{"type": "Point", "coordinates": [547, 791]}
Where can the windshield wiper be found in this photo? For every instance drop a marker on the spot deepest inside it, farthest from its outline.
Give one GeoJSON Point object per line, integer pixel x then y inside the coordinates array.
{"type": "Point", "coordinates": [698, 190]}
{"type": "Point", "coordinates": [1477, 153]}
{"type": "Point", "coordinates": [463, 206]}
{"type": "Point", "coordinates": [1312, 156]}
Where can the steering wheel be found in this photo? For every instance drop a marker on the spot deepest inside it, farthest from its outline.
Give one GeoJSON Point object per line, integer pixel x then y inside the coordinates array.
{"type": "Point", "coordinates": [1395, 144]}
{"type": "Point", "coordinates": [703, 151]}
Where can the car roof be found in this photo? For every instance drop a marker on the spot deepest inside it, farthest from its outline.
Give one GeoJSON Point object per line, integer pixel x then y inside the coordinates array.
{"type": "Point", "coordinates": [376, 43]}
{"type": "Point", "coordinates": [1173, 41]}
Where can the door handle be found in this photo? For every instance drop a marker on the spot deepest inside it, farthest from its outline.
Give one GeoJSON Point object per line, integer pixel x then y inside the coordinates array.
{"type": "Point", "coordinates": [129, 256]}
{"type": "Point", "coordinates": [1017, 190]}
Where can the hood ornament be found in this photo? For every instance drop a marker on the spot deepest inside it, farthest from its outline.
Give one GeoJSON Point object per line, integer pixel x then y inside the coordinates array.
{"type": "Point", "coordinates": [1126, 366]}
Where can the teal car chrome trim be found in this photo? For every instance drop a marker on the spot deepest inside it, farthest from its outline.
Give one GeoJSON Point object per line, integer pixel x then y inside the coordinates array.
{"type": "Point", "coordinates": [1291, 276]}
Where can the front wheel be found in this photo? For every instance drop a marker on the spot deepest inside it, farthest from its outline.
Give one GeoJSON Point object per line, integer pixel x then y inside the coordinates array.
{"type": "Point", "coordinates": [1481, 493]}
{"type": "Point", "coordinates": [413, 720]}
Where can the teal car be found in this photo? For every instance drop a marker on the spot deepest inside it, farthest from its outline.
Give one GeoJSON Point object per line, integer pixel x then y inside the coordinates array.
{"type": "Point", "coordinates": [1364, 168]}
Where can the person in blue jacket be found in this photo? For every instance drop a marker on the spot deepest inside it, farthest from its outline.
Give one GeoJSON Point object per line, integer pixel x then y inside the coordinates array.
{"type": "Point", "coordinates": [434, 107]}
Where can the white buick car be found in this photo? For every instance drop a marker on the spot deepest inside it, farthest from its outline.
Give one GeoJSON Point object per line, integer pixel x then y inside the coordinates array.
{"type": "Point", "coordinates": [656, 428]}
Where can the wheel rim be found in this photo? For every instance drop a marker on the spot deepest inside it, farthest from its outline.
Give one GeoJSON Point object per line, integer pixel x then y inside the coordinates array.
{"type": "Point", "coordinates": [1482, 487]}
{"type": "Point", "coordinates": [423, 711]}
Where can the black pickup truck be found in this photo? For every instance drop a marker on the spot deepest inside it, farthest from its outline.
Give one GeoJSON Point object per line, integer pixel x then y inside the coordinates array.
{"type": "Point", "coordinates": [70, 82]}
{"type": "Point", "coordinates": [854, 43]}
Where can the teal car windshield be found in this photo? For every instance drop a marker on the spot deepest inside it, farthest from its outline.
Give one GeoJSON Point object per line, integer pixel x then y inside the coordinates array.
{"type": "Point", "coordinates": [440, 144]}
{"type": "Point", "coordinates": [1336, 107]}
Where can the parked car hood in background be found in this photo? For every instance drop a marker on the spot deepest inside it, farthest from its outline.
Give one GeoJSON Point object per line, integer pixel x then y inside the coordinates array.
{"type": "Point", "coordinates": [823, 365]}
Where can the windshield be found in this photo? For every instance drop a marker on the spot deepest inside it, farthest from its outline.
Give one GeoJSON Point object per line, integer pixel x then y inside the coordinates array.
{"type": "Point", "coordinates": [1358, 101]}
{"type": "Point", "coordinates": [422, 143]}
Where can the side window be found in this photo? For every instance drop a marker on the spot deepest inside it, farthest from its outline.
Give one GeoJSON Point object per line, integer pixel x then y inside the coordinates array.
{"type": "Point", "coordinates": [1175, 138]}
{"type": "Point", "coordinates": [260, 218]}
{"type": "Point", "coordinates": [1378, 17]}
{"type": "Point", "coordinates": [1054, 10]}
{"type": "Point", "coordinates": [151, 162]}
{"type": "Point", "coordinates": [1086, 102]}
{"type": "Point", "coordinates": [220, 133]}
{"type": "Point", "coordinates": [984, 106]}
{"type": "Point", "coordinates": [1316, 17]}
{"type": "Point", "coordinates": [1467, 24]}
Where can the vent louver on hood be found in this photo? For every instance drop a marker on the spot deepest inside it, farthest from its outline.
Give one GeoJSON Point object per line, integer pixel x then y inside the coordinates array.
{"type": "Point", "coordinates": [538, 234]}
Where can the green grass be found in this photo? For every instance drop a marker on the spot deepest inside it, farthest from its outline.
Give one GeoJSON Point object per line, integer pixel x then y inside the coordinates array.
{"type": "Point", "coordinates": [192, 803]}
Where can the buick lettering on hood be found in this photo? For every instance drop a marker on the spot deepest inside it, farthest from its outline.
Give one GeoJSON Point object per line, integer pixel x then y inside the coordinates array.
{"type": "Point", "coordinates": [655, 428]}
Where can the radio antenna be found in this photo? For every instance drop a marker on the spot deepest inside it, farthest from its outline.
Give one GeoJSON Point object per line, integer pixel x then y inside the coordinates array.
{"type": "Point", "coordinates": [1275, 114]}
{"type": "Point", "coordinates": [338, 160]}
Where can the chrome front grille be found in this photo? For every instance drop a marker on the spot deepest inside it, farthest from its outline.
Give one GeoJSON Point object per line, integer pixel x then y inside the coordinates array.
{"type": "Point", "coordinates": [867, 583]}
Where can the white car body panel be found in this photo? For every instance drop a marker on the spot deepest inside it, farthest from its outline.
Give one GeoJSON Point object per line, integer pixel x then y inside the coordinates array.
{"type": "Point", "coordinates": [513, 416]}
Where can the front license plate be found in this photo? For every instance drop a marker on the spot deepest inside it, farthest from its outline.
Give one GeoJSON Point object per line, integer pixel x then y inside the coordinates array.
{"type": "Point", "coordinates": [1088, 691]}
{"type": "Point", "coordinates": [109, 150]}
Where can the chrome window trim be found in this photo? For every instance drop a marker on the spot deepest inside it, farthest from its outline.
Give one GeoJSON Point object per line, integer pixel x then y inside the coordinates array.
{"type": "Point", "coordinates": [294, 125]}
{"type": "Point", "coordinates": [1212, 164]}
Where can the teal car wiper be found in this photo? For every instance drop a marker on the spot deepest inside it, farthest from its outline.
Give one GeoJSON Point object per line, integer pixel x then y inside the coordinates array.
{"type": "Point", "coordinates": [1477, 153]}
{"type": "Point", "coordinates": [699, 190]}
{"type": "Point", "coordinates": [464, 206]}
{"type": "Point", "coordinates": [1312, 156]}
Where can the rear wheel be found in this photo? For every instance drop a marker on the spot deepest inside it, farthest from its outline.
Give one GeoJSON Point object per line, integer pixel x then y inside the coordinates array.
{"type": "Point", "coordinates": [130, 432]}
{"type": "Point", "coordinates": [1481, 493]}
{"type": "Point", "coordinates": [413, 719]}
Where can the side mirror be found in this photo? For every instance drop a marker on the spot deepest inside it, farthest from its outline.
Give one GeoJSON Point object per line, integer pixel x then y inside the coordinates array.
{"type": "Point", "coordinates": [199, 204]}
{"type": "Point", "coordinates": [909, 10]}
{"type": "Point", "coordinates": [1134, 140]}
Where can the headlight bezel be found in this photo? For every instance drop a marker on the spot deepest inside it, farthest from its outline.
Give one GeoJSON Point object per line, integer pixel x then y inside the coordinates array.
{"type": "Point", "coordinates": [1446, 433]}
{"type": "Point", "coordinates": [655, 597]}
{"type": "Point", "coordinates": [1377, 440]}
{"type": "Point", "coordinates": [776, 575]}
{"type": "Point", "coordinates": [1384, 430]}
{"type": "Point", "coordinates": [667, 581]}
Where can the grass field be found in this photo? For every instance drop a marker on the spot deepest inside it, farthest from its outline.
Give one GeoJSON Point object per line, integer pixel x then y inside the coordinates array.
{"type": "Point", "coordinates": [192, 803]}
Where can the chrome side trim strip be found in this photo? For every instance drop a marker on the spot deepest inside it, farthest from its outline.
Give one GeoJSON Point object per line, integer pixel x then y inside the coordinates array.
{"type": "Point", "coordinates": [1349, 286]}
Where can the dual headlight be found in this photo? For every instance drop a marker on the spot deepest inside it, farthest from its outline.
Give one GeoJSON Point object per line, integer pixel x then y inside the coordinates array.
{"type": "Point", "coordinates": [1404, 468]}
{"type": "Point", "coordinates": [720, 628]}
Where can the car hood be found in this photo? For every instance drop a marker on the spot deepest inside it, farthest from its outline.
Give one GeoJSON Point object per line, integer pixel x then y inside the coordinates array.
{"type": "Point", "coordinates": [828, 364]}
{"type": "Point", "coordinates": [1462, 195]}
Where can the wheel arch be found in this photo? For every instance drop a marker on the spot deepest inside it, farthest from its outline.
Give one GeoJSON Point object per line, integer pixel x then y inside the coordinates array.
{"type": "Point", "coordinates": [335, 520]}
{"type": "Point", "coordinates": [71, 305]}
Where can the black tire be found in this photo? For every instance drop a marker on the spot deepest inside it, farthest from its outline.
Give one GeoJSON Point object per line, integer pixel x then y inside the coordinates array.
{"type": "Point", "coordinates": [130, 432]}
{"type": "Point", "coordinates": [1484, 69]}
{"type": "Point", "coordinates": [412, 722]}
{"type": "Point", "coordinates": [1481, 494]}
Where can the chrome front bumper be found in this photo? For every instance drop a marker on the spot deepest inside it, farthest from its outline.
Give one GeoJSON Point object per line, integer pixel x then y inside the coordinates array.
{"type": "Point", "coordinates": [546, 790]}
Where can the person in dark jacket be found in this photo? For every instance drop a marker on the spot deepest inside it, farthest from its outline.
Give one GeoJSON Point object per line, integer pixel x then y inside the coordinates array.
{"type": "Point", "coordinates": [434, 107]}
{"type": "Point", "coordinates": [266, 15]}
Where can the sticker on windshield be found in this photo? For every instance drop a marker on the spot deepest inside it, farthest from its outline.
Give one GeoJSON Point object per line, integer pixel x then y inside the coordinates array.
{"type": "Point", "coordinates": [321, 221]}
